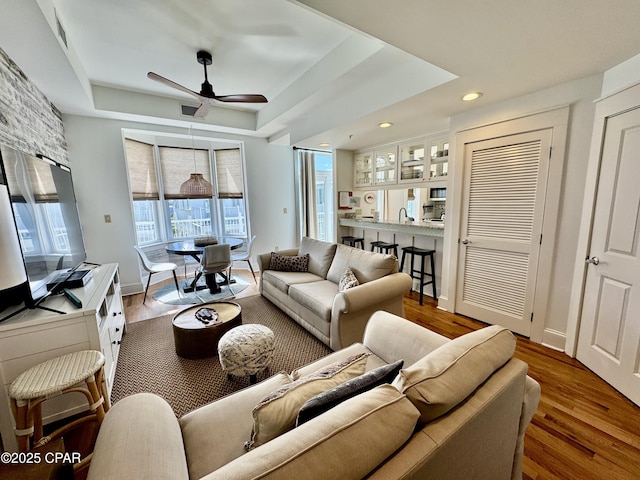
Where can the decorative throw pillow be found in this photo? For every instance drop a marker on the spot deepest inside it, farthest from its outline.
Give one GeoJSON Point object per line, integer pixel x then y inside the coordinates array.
{"type": "Point", "coordinates": [440, 380]}
{"type": "Point", "coordinates": [347, 280]}
{"type": "Point", "coordinates": [289, 263]}
{"type": "Point", "coordinates": [276, 413]}
{"type": "Point", "coordinates": [327, 400]}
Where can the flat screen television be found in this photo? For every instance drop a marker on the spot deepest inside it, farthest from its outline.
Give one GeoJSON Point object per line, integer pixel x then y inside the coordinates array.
{"type": "Point", "coordinates": [47, 222]}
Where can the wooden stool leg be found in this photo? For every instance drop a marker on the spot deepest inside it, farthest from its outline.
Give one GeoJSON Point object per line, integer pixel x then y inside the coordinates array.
{"type": "Point", "coordinates": [96, 396]}
{"type": "Point", "coordinates": [433, 275]}
{"type": "Point", "coordinates": [102, 383]}
{"type": "Point", "coordinates": [37, 422]}
{"type": "Point", "coordinates": [23, 429]}
{"type": "Point", "coordinates": [421, 282]}
{"type": "Point", "coordinates": [413, 274]}
{"type": "Point", "coordinates": [404, 252]}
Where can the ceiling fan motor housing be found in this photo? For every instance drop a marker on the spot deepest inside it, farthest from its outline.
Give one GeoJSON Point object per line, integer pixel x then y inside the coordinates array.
{"type": "Point", "coordinates": [204, 57]}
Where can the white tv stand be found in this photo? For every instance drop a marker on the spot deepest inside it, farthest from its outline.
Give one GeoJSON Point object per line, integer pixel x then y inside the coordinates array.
{"type": "Point", "coordinates": [34, 336]}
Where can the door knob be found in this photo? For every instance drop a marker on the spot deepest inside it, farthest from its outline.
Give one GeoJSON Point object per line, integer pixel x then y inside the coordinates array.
{"type": "Point", "coordinates": [593, 260]}
{"type": "Point", "coordinates": [465, 241]}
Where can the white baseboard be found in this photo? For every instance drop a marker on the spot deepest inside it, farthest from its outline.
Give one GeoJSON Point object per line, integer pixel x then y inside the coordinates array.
{"type": "Point", "coordinates": [131, 289]}
{"type": "Point", "coordinates": [554, 339]}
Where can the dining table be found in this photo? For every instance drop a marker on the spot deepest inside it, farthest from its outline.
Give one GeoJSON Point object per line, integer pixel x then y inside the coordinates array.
{"type": "Point", "coordinates": [189, 248]}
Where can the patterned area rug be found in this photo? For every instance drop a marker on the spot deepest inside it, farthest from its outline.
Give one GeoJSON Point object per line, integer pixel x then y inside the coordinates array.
{"type": "Point", "coordinates": [148, 362]}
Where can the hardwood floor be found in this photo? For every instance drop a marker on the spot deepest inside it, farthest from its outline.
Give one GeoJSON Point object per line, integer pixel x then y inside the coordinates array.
{"type": "Point", "coordinates": [583, 428]}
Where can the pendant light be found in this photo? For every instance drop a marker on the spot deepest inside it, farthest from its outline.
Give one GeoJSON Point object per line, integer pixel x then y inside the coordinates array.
{"type": "Point", "coordinates": [196, 186]}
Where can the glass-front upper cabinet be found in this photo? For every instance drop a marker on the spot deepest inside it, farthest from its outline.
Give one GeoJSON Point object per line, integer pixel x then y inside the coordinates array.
{"type": "Point", "coordinates": [363, 169]}
{"type": "Point", "coordinates": [385, 165]}
{"type": "Point", "coordinates": [439, 158]}
{"type": "Point", "coordinates": [412, 162]}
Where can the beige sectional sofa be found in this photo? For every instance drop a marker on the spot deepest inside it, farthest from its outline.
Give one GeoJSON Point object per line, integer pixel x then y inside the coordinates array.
{"type": "Point", "coordinates": [458, 409]}
{"type": "Point", "coordinates": [313, 299]}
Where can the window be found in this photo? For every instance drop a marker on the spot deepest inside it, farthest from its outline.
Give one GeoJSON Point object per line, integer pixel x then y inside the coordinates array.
{"type": "Point", "coordinates": [187, 215]}
{"type": "Point", "coordinates": [414, 209]}
{"type": "Point", "coordinates": [324, 196]}
{"type": "Point", "coordinates": [230, 193]}
{"type": "Point", "coordinates": [314, 185]}
{"type": "Point", "coordinates": [164, 212]}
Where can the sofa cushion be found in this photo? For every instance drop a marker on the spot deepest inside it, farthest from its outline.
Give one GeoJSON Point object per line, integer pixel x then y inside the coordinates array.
{"type": "Point", "coordinates": [282, 280]}
{"type": "Point", "coordinates": [276, 413]}
{"type": "Point", "coordinates": [347, 280]}
{"type": "Point", "coordinates": [330, 398]}
{"type": "Point", "coordinates": [317, 297]}
{"type": "Point", "coordinates": [320, 255]}
{"type": "Point", "coordinates": [365, 265]}
{"type": "Point", "coordinates": [140, 412]}
{"type": "Point", "coordinates": [347, 443]}
{"type": "Point", "coordinates": [445, 377]}
{"type": "Point", "coordinates": [207, 452]}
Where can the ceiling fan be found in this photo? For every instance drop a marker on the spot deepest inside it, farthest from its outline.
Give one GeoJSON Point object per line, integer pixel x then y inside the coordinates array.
{"type": "Point", "coordinates": [207, 96]}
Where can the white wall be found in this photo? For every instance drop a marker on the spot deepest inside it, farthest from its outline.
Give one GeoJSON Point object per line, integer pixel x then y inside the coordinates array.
{"type": "Point", "coordinates": [97, 161]}
{"type": "Point", "coordinates": [343, 181]}
{"type": "Point", "coordinates": [579, 95]}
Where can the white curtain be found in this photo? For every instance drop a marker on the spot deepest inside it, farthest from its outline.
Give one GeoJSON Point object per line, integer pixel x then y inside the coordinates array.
{"type": "Point", "coordinates": [306, 179]}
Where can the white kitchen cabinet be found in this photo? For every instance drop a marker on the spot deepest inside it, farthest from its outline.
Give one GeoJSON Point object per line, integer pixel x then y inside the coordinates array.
{"type": "Point", "coordinates": [37, 335]}
{"type": "Point", "coordinates": [363, 169]}
{"type": "Point", "coordinates": [438, 158]}
{"type": "Point", "coordinates": [413, 162]}
{"type": "Point", "coordinates": [385, 165]}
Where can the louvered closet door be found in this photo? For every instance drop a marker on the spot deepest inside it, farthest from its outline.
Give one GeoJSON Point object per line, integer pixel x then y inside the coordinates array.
{"type": "Point", "coordinates": [504, 192]}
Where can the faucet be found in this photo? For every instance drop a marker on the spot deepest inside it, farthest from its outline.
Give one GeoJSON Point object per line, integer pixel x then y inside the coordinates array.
{"type": "Point", "coordinates": [411, 219]}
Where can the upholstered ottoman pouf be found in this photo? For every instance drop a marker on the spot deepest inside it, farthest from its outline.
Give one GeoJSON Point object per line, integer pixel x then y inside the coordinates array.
{"type": "Point", "coordinates": [246, 350]}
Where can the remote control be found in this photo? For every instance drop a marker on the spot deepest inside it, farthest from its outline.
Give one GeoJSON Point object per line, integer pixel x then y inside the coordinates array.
{"type": "Point", "coordinates": [75, 300]}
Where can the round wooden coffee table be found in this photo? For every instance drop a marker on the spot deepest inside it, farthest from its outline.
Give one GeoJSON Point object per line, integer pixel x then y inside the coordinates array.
{"type": "Point", "coordinates": [194, 338]}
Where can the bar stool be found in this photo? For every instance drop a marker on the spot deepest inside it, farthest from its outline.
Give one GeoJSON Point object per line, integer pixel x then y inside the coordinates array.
{"type": "Point", "coordinates": [422, 253]}
{"type": "Point", "coordinates": [384, 247]}
{"type": "Point", "coordinates": [353, 241]}
{"type": "Point", "coordinates": [52, 378]}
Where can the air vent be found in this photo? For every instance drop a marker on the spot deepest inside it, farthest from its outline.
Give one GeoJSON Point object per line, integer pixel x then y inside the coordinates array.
{"type": "Point", "coordinates": [61, 33]}
{"type": "Point", "coordinates": [189, 110]}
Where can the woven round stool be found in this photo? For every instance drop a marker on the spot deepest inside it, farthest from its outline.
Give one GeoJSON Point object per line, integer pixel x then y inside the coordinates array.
{"type": "Point", "coordinates": [52, 378]}
{"type": "Point", "coordinates": [246, 350]}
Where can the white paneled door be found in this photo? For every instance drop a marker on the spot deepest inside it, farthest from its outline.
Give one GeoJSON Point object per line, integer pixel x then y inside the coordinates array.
{"type": "Point", "coordinates": [505, 182]}
{"type": "Point", "coordinates": [609, 337]}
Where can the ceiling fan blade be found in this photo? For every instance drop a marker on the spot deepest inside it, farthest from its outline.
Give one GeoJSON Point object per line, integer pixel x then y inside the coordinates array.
{"type": "Point", "coordinates": [166, 81]}
{"type": "Point", "coordinates": [202, 111]}
{"type": "Point", "coordinates": [241, 98]}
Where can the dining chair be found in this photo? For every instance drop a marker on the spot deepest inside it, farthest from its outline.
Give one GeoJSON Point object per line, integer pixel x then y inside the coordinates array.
{"type": "Point", "coordinates": [216, 259]}
{"type": "Point", "coordinates": [246, 256]}
{"type": "Point", "coordinates": [152, 268]}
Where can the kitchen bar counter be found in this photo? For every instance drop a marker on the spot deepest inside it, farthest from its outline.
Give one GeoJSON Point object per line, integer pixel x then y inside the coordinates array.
{"type": "Point", "coordinates": [430, 229]}
{"type": "Point", "coordinates": [427, 235]}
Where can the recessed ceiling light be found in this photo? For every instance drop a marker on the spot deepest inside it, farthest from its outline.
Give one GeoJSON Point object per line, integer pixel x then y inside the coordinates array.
{"type": "Point", "coordinates": [385, 124]}
{"type": "Point", "coordinates": [324, 144]}
{"type": "Point", "coordinates": [472, 96]}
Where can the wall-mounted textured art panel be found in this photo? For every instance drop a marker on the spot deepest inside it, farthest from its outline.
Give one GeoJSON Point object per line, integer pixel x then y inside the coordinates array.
{"type": "Point", "coordinates": [29, 122]}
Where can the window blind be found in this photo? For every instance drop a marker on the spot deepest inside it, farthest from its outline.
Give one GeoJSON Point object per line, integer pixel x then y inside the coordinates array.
{"type": "Point", "coordinates": [229, 173]}
{"type": "Point", "coordinates": [142, 170]}
{"type": "Point", "coordinates": [177, 164]}
{"type": "Point", "coordinates": [34, 182]}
